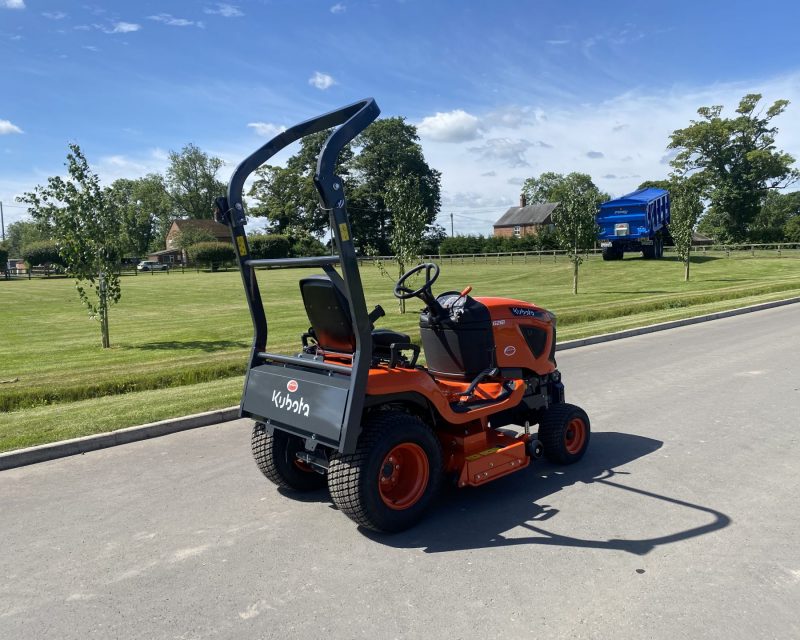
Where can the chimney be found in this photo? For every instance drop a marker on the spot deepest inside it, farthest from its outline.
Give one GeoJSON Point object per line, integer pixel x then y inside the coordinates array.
{"type": "Point", "coordinates": [522, 201]}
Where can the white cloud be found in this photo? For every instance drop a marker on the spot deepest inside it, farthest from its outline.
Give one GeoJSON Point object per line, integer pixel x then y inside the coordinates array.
{"type": "Point", "coordinates": [12, 4]}
{"type": "Point", "coordinates": [7, 127]}
{"type": "Point", "coordinates": [338, 8]}
{"type": "Point", "coordinates": [452, 126]}
{"type": "Point", "coordinates": [172, 21]}
{"type": "Point", "coordinates": [225, 10]}
{"type": "Point", "coordinates": [321, 80]}
{"type": "Point", "coordinates": [266, 129]}
{"type": "Point", "coordinates": [506, 151]}
{"type": "Point", "coordinates": [124, 27]}
{"type": "Point", "coordinates": [595, 155]}
{"type": "Point", "coordinates": [54, 15]}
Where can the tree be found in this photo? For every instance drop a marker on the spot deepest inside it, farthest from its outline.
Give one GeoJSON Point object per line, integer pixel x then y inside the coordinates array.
{"type": "Point", "coordinates": [287, 195]}
{"type": "Point", "coordinates": [791, 229]}
{"type": "Point", "coordinates": [211, 253]}
{"type": "Point", "coordinates": [43, 253]}
{"type": "Point", "coordinates": [686, 207]}
{"type": "Point", "coordinates": [269, 246]}
{"type": "Point", "coordinates": [144, 206]}
{"type": "Point", "coordinates": [188, 237]}
{"type": "Point", "coordinates": [655, 184]}
{"type": "Point", "coordinates": [192, 182]}
{"type": "Point", "coordinates": [574, 217]}
{"type": "Point", "coordinates": [736, 161]}
{"type": "Point", "coordinates": [540, 190]}
{"type": "Point", "coordinates": [22, 233]}
{"type": "Point", "coordinates": [387, 149]}
{"type": "Point", "coordinates": [775, 213]}
{"type": "Point", "coordinates": [3, 257]}
{"type": "Point", "coordinates": [409, 220]}
{"type": "Point", "coordinates": [87, 229]}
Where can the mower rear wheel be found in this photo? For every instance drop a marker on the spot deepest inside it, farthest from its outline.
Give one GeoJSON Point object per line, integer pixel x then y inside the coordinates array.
{"type": "Point", "coordinates": [276, 457]}
{"type": "Point", "coordinates": [564, 432]}
{"type": "Point", "coordinates": [392, 477]}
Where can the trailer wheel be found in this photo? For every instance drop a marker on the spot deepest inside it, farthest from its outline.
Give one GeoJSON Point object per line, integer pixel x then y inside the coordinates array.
{"type": "Point", "coordinates": [393, 476]}
{"type": "Point", "coordinates": [275, 455]}
{"type": "Point", "coordinates": [564, 432]}
{"type": "Point", "coordinates": [649, 251]}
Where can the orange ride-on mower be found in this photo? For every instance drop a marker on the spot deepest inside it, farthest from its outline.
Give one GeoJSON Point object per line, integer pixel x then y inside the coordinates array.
{"type": "Point", "coordinates": [355, 411]}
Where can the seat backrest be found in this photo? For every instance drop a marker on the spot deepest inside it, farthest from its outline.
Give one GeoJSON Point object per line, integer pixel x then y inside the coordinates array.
{"type": "Point", "coordinates": [328, 313]}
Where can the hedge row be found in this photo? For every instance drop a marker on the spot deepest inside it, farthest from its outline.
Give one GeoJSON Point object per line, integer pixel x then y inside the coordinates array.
{"type": "Point", "coordinates": [497, 244]}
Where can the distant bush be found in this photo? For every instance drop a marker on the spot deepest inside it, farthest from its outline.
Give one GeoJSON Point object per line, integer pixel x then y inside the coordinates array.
{"type": "Point", "coordinates": [3, 259]}
{"type": "Point", "coordinates": [43, 253]}
{"type": "Point", "coordinates": [306, 246]}
{"type": "Point", "coordinates": [269, 246]}
{"type": "Point", "coordinates": [497, 244]}
{"type": "Point", "coordinates": [211, 253]}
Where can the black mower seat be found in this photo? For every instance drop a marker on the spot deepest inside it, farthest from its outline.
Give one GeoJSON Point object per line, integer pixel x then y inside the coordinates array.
{"type": "Point", "coordinates": [329, 315]}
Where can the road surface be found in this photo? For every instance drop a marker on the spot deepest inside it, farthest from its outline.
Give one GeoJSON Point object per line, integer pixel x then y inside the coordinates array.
{"type": "Point", "coordinates": [682, 521]}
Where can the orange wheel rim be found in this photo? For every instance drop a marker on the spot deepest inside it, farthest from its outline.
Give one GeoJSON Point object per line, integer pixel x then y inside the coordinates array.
{"type": "Point", "coordinates": [575, 435]}
{"type": "Point", "coordinates": [403, 476]}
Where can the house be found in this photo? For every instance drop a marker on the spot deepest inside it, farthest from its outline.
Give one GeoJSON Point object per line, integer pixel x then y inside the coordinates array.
{"type": "Point", "coordinates": [173, 253]}
{"type": "Point", "coordinates": [219, 231]}
{"type": "Point", "coordinates": [526, 219]}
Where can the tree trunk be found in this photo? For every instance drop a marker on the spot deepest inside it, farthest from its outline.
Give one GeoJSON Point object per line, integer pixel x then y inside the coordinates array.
{"type": "Point", "coordinates": [104, 313]}
{"type": "Point", "coordinates": [575, 277]}
{"type": "Point", "coordinates": [688, 260]}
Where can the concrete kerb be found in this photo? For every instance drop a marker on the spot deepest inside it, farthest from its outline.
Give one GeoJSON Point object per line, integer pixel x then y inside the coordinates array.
{"type": "Point", "coordinates": [42, 453]}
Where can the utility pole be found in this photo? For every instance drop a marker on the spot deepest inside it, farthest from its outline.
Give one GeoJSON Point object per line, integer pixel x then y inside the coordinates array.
{"type": "Point", "coordinates": [2, 221]}
{"type": "Point", "coordinates": [451, 225]}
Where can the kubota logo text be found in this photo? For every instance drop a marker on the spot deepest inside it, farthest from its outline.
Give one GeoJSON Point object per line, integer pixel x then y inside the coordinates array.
{"type": "Point", "coordinates": [286, 402]}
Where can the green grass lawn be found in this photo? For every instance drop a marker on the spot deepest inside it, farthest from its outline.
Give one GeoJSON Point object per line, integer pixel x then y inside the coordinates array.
{"type": "Point", "coordinates": [180, 341]}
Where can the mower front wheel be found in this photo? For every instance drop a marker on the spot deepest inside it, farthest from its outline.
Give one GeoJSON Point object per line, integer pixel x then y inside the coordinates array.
{"type": "Point", "coordinates": [564, 432]}
{"type": "Point", "coordinates": [276, 457]}
{"type": "Point", "coordinates": [393, 476]}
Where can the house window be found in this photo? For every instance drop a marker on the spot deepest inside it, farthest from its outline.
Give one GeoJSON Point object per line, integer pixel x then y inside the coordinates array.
{"type": "Point", "coordinates": [517, 231]}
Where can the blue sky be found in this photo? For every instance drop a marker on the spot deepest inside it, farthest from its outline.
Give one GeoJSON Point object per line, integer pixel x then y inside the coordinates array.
{"type": "Point", "coordinates": [500, 90]}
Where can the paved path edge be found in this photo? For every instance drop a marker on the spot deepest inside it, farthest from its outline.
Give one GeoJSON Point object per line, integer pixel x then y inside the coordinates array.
{"type": "Point", "coordinates": [42, 453]}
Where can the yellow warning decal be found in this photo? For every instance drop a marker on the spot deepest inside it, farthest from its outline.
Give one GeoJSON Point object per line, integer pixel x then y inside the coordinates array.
{"type": "Point", "coordinates": [242, 246]}
{"type": "Point", "coordinates": [487, 452]}
{"type": "Point", "coordinates": [343, 231]}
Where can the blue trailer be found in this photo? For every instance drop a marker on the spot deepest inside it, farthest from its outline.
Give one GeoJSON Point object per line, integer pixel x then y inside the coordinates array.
{"type": "Point", "coordinates": [635, 222]}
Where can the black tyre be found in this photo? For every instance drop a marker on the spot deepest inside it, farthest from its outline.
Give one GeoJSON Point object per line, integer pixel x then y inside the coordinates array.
{"type": "Point", "coordinates": [564, 432]}
{"type": "Point", "coordinates": [609, 254]}
{"type": "Point", "coordinates": [394, 475]}
{"type": "Point", "coordinates": [649, 251]}
{"type": "Point", "coordinates": [275, 455]}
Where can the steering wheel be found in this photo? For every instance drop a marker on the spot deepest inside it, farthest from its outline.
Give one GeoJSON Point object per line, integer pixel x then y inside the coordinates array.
{"type": "Point", "coordinates": [431, 273]}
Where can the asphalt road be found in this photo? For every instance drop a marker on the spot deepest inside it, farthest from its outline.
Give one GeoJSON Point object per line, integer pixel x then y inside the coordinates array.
{"type": "Point", "coordinates": [682, 521]}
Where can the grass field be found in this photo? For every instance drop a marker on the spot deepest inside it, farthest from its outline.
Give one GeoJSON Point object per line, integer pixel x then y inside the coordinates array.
{"type": "Point", "coordinates": [180, 340]}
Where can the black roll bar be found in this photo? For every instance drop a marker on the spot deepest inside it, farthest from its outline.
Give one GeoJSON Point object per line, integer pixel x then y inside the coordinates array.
{"type": "Point", "coordinates": [349, 122]}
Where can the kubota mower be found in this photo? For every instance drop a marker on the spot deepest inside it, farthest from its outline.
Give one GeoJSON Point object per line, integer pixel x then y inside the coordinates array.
{"type": "Point", "coordinates": [355, 411]}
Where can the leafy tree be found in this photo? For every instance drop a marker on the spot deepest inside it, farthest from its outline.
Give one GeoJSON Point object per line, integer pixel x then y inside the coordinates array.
{"type": "Point", "coordinates": [305, 245]}
{"type": "Point", "coordinates": [655, 184]}
{"type": "Point", "coordinates": [144, 207]}
{"type": "Point", "coordinates": [791, 229]}
{"type": "Point", "coordinates": [287, 195]}
{"type": "Point", "coordinates": [387, 149]}
{"type": "Point", "coordinates": [3, 257]}
{"type": "Point", "coordinates": [43, 253]}
{"type": "Point", "coordinates": [22, 233]}
{"type": "Point", "coordinates": [540, 190]}
{"type": "Point", "coordinates": [686, 207]}
{"type": "Point", "coordinates": [87, 229]}
{"type": "Point", "coordinates": [775, 213]}
{"type": "Point", "coordinates": [211, 253]}
{"type": "Point", "coordinates": [192, 183]}
{"type": "Point", "coordinates": [736, 161]}
{"type": "Point", "coordinates": [574, 218]}
{"type": "Point", "coordinates": [409, 219]}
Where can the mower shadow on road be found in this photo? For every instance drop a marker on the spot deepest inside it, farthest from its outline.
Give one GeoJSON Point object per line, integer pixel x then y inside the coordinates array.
{"type": "Point", "coordinates": [480, 518]}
